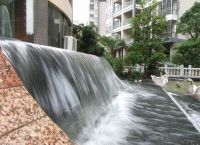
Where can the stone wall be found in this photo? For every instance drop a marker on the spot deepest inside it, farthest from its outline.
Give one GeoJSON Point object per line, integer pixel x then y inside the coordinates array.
{"type": "Point", "coordinates": [22, 121]}
{"type": "Point", "coordinates": [8, 77]}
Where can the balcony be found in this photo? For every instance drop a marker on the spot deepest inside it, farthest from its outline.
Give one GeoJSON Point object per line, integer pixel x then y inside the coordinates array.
{"type": "Point", "coordinates": [171, 17]}
{"type": "Point", "coordinates": [91, 19]}
{"type": "Point", "coordinates": [117, 24]}
{"type": "Point", "coordinates": [128, 3]}
{"type": "Point", "coordinates": [115, 1]}
{"type": "Point", "coordinates": [171, 11]}
{"type": "Point", "coordinates": [117, 9]}
{"type": "Point", "coordinates": [117, 35]}
{"type": "Point", "coordinates": [126, 21]}
{"type": "Point", "coordinates": [170, 37]}
{"type": "Point", "coordinates": [126, 24]}
{"type": "Point", "coordinates": [128, 40]}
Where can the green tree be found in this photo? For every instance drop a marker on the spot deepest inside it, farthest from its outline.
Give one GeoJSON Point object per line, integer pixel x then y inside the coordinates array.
{"type": "Point", "coordinates": [87, 40]}
{"type": "Point", "coordinates": [111, 44]}
{"type": "Point", "coordinates": [147, 31]}
{"type": "Point", "coordinates": [189, 23]}
{"type": "Point", "coordinates": [188, 52]}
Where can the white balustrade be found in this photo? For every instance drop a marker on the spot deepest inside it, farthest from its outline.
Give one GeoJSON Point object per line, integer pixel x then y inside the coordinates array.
{"type": "Point", "coordinates": [181, 71]}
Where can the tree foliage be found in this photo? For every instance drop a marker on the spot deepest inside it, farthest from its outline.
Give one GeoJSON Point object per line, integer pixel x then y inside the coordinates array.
{"type": "Point", "coordinates": [87, 40]}
{"type": "Point", "coordinates": [189, 23]}
{"type": "Point", "coordinates": [147, 31]}
{"type": "Point", "coordinates": [116, 63]}
{"type": "Point", "coordinates": [111, 44]}
{"type": "Point", "coordinates": [188, 53]}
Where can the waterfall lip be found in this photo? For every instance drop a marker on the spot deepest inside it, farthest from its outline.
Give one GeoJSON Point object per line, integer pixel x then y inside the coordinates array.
{"type": "Point", "coordinates": [63, 82]}
{"type": "Point", "coordinates": [15, 40]}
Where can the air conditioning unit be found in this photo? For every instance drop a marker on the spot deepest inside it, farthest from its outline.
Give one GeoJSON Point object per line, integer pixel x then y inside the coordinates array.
{"type": "Point", "coordinates": [70, 43]}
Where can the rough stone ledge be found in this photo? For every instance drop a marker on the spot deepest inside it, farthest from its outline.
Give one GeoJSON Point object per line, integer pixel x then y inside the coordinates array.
{"type": "Point", "coordinates": [24, 123]}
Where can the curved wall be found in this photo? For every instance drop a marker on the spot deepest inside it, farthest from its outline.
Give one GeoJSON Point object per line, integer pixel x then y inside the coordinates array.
{"type": "Point", "coordinates": [64, 6]}
{"type": "Point", "coordinates": [53, 20]}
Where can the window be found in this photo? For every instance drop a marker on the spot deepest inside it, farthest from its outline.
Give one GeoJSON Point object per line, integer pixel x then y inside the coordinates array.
{"type": "Point", "coordinates": [59, 26]}
{"type": "Point", "coordinates": [91, 6]}
{"type": "Point", "coordinates": [174, 7]}
{"type": "Point", "coordinates": [168, 6]}
{"type": "Point", "coordinates": [91, 16]}
{"type": "Point", "coordinates": [7, 24]}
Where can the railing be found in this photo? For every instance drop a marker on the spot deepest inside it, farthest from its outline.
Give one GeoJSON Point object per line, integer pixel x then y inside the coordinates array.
{"type": "Point", "coordinates": [136, 68]}
{"type": "Point", "coordinates": [117, 9]}
{"type": "Point", "coordinates": [169, 11]}
{"type": "Point", "coordinates": [173, 72]}
{"type": "Point", "coordinates": [117, 25]}
{"type": "Point", "coordinates": [128, 3]}
{"type": "Point", "coordinates": [181, 71]}
{"type": "Point", "coordinates": [116, 0]}
{"type": "Point", "coordinates": [127, 21]}
{"type": "Point", "coordinates": [128, 40]}
{"type": "Point", "coordinates": [170, 35]}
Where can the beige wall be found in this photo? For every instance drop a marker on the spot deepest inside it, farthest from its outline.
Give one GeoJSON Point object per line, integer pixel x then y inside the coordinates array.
{"type": "Point", "coordinates": [183, 7]}
{"type": "Point", "coordinates": [102, 17]}
{"type": "Point", "coordinates": [65, 7]}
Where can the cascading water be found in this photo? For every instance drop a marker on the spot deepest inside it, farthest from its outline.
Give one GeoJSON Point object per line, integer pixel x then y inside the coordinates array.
{"type": "Point", "coordinates": [82, 94]}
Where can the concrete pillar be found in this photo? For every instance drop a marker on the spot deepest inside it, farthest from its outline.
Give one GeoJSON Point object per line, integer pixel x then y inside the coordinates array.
{"type": "Point", "coordinates": [190, 71]}
{"type": "Point", "coordinates": [41, 22]}
{"type": "Point", "coordinates": [181, 70]}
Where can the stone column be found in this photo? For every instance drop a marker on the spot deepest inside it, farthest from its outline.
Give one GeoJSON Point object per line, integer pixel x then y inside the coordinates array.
{"type": "Point", "coordinates": [41, 22]}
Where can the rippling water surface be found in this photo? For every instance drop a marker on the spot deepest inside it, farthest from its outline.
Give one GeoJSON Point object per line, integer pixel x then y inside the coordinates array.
{"type": "Point", "coordinates": [82, 94]}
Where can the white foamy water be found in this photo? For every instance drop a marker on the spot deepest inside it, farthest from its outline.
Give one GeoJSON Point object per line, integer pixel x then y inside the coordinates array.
{"type": "Point", "coordinates": [113, 127]}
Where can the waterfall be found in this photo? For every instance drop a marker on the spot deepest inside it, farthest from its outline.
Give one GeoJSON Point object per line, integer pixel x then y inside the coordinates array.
{"type": "Point", "coordinates": [86, 99]}
{"type": "Point", "coordinates": [72, 88]}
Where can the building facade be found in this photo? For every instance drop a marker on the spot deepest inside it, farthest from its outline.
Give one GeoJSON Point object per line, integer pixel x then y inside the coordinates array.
{"type": "Point", "coordinates": [43, 22]}
{"type": "Point", "coordinates": [97, 15]}
{"type": "Point", "coordinates": [124, 10]}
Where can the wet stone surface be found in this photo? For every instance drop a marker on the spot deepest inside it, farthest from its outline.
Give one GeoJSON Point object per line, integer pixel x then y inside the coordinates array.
{"type": "Point", "coordinates": [22, 121]}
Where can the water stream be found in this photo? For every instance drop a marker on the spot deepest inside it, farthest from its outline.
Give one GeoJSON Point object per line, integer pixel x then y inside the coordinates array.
{"type": "Point", "coordinates": [82, 94]}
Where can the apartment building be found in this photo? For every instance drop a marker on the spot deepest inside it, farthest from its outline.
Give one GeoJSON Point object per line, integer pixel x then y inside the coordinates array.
{"type": "Point", "coordinates": [97, 16]}
{"type": "Point", "coordinates": [123, 10]}
{"type": "Point", "coordinates": [44, 22]}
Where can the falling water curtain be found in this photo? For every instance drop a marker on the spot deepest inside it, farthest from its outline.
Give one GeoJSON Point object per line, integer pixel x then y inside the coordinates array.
{"type": "Point", "coordinates": [5, 26]}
